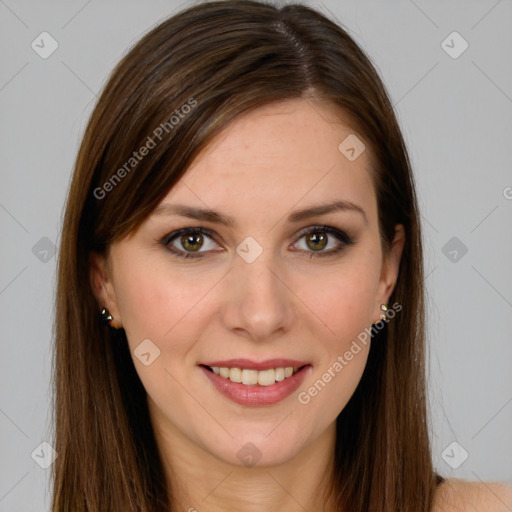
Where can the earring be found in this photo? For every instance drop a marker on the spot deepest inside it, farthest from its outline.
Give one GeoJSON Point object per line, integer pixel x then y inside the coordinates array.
{"type": "Point", "coordinates": [106, 317]}
{"type": "Point", "coordinates": [384, 308]}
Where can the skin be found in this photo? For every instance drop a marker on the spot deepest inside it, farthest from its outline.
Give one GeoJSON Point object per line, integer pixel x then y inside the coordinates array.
{"type": "Point", "coordinates": [457, 495]}
{"type": "Point", "coordinates": [286, 303]}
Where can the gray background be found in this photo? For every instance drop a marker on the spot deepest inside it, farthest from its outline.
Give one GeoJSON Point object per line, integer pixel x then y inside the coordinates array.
{"type": "Point", "coordinates": [456, 115]}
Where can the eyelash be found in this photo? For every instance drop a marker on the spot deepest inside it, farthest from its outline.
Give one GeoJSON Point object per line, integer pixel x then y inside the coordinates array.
{"type": "Point", "coordinates": [344, 238]}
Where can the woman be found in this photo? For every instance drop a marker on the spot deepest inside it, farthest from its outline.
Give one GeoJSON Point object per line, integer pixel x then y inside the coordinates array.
{"type": "Point", "coordinates": [239, 313]}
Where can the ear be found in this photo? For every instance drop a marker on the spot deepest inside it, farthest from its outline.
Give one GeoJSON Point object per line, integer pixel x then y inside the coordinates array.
{"type": "Point", "coordinates": [390, 269]}
{"type": "Point", "coordinates": [102, 286]}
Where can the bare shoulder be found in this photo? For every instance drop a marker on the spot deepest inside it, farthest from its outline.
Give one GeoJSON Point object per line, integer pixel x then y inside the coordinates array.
{"type": "Point", "coordinates": [455, 495]}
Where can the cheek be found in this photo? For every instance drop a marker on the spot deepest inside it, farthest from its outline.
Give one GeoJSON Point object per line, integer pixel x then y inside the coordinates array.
{"type": "Point", "coordinates": [345, 301]}
{"type": "Point", "coordinates": [346, 308]}
{"type": "Point", "coordinates": [329, 390]}
{"type": "Point", "coordinates": [163, 306]}
{"type": "Point", "coordinates": [343, 353]}
{"type": "Point", "coordinates": [154, 301]}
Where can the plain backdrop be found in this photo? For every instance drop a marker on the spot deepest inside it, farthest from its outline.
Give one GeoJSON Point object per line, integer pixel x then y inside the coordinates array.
{"type": "Point", "coordinates": [454, 104]}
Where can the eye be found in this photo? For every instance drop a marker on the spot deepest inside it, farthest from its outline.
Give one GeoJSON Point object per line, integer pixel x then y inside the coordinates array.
{"type": "Point", "coordinates": [188, 242]}
{"type": "Point", "coordinates": [317, 238]}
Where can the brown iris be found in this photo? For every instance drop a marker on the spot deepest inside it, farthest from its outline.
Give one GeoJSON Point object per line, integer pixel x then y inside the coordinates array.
{"type": "Point", "coordinates": [319, 240]}
{"type": "Point", "coordinates": [190, 242]}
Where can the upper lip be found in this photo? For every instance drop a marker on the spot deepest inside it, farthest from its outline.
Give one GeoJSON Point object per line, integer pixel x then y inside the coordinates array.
{"type": "Point", "coordinates": [249, 364]}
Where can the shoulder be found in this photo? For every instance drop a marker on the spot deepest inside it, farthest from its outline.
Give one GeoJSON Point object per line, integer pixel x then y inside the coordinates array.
{"type": "Point", "coordinates": [455, 495]}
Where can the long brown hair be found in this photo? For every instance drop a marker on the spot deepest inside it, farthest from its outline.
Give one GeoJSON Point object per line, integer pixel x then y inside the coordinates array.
{"type": "Point", "coordinates": [179, 86]}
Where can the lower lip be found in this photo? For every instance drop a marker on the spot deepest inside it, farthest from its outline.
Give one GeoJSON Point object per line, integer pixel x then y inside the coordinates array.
{"type": "Point", "coordinates": [257, 396]}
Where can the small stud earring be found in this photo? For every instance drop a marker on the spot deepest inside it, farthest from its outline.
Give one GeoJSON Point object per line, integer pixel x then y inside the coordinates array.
{"type": "Point", "coordinates": [384, 308]}
{"type": "Point", "coordinates": [107, 318]}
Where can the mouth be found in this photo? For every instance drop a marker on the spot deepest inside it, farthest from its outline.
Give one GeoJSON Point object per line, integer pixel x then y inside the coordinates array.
{"type": "Point", "coordinates": [256, 384]}
{"type": "Point", "coordinates": [252, 377]}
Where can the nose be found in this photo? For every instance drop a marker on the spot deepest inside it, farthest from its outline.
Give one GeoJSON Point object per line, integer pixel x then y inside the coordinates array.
{"type": "Point", "coordinates": [259, 303]}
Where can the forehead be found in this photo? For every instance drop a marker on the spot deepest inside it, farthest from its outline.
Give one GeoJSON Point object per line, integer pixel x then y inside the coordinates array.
{"type": "Point", "coordinates": [277, 156]}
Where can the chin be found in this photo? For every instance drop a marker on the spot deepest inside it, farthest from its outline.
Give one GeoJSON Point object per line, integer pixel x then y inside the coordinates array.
{"type": "Point", "coordinates": [255, 448]}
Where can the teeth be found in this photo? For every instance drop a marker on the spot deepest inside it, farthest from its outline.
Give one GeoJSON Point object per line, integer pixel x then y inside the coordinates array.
{"type": "Point", "coordinates": [267, 377]}
{"type": "Point", "coordinates": [254, 377]}
{"type": "Point", "coordinates": [235, 375]}
{"type": "Point", "coordinates": [249, 377]}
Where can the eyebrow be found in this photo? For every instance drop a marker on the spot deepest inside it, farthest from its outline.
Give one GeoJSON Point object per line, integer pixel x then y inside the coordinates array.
{"type": "Point", "coordinates": [206, 214]}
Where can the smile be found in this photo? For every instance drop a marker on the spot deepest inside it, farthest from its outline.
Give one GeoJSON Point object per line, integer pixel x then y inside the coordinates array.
{"type": "Point", "coordinates": [254, 377]}
{"type": "Point", "coordinates": [242, 383]}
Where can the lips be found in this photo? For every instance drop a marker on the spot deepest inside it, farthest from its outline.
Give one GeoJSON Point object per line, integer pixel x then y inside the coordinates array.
{"type": "Point", "coordinates": [264, 391]}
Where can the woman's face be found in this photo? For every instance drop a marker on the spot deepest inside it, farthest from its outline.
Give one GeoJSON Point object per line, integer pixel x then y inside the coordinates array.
{"type": "Point", "coordinates": [253, 285]}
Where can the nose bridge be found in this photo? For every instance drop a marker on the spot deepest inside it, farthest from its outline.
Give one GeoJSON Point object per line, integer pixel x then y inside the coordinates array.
{"type": "Point", "coordinates": [260, 303]}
